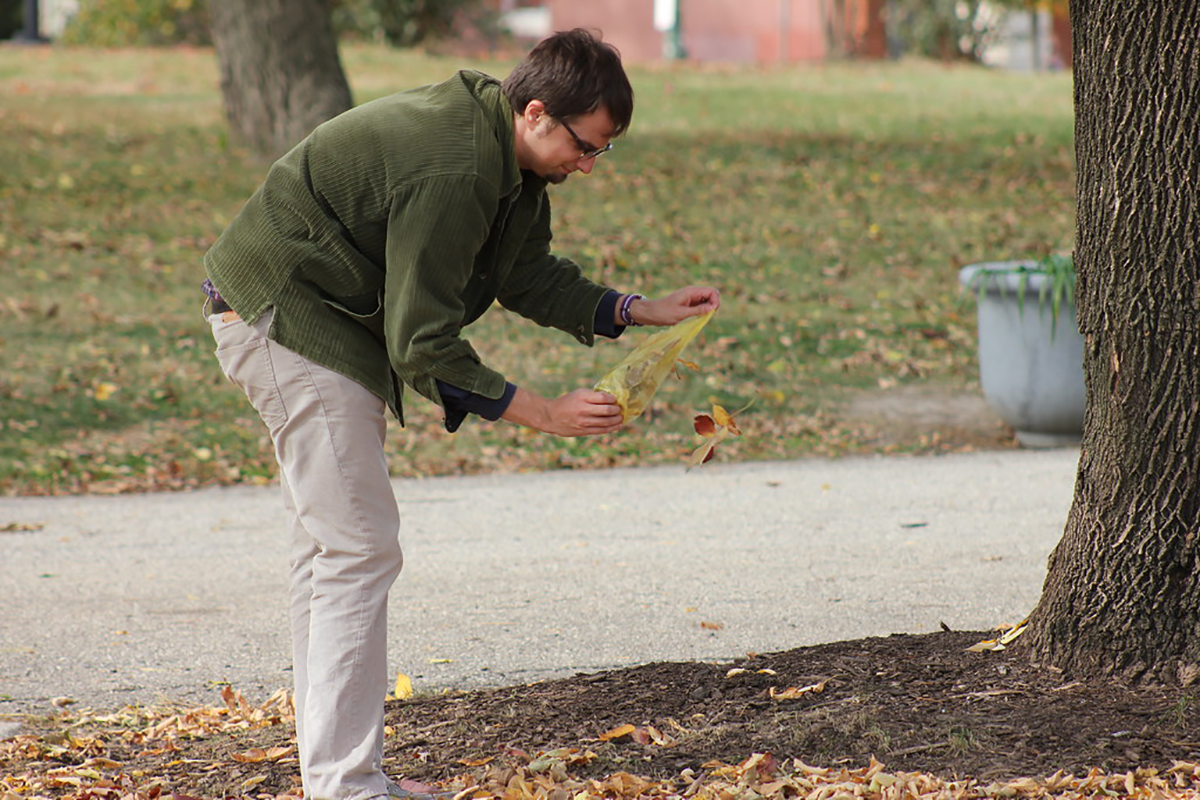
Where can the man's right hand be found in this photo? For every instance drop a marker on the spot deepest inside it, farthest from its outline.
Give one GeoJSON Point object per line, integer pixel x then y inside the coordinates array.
{"type": "Point", "coordinates": [583, 412]}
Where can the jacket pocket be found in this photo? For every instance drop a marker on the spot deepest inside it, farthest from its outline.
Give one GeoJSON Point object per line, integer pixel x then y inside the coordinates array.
{"type": "Point", "coordinates": [366, 310]}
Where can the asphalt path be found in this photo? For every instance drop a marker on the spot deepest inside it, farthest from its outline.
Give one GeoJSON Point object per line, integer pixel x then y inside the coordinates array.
{"type": "Point", "coordinates": [511, 579]}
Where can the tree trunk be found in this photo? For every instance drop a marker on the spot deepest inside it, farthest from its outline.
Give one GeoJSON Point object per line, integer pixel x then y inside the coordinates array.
{"type": "Point", "coordinates": [280, 71]}
{"type": "Point", "coordinates": [1122, 596]}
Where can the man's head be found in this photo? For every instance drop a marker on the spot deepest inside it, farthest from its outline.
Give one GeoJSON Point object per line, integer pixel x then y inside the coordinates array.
{"type": "Point", "coordinates": [574, 82]}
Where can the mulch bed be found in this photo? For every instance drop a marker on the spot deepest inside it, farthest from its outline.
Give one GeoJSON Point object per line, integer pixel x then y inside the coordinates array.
{"type": "Point", "coordinates": [916, 703]}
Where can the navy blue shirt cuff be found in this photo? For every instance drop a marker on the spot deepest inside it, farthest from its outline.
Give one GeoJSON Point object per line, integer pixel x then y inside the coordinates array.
{"type": "Point", "coordinates": [606, 312]}
{"type": "Point", "coordinates": [459, 402]}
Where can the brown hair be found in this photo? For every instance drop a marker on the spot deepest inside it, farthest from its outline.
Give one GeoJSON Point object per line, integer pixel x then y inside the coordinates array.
{"type": "Point", "coordinates": [572, 73]}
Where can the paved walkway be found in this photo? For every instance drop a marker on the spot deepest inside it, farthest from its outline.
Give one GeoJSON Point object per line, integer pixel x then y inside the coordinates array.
{"type": "Point", "coordinates": [517, 578]}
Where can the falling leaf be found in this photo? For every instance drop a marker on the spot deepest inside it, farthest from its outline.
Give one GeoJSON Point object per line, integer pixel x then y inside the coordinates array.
{"type": "Point", "coordinates": [725, 420]}
{"type": "Point", "coordinates": [715, 429]}
{"type": "Point", "coordinates": [617, 733]}
{"type": "Point", "coordinates": [404, 689]}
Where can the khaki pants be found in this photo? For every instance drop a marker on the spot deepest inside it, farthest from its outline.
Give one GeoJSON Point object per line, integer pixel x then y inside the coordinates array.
{"type": "Point", "coordinates": [343, 524]}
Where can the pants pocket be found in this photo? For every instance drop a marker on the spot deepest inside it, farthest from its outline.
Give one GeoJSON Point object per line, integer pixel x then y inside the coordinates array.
{"type": "Point", "coordinates": [244, 352]}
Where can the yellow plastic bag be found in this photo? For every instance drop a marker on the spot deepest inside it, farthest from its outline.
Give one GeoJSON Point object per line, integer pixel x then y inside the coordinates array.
{"type": "Point", "coordinates": [635, 380]}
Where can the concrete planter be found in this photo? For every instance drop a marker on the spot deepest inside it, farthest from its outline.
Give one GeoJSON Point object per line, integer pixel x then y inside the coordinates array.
{"type": "Point", "coordinates": [1030, 366]}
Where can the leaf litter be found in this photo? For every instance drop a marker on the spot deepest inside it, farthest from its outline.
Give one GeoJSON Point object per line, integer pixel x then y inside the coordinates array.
{"type": "Point", "coordinates": [901, 716]}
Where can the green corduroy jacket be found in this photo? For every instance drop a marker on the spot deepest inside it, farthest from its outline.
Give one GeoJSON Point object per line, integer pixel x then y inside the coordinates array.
{"type": "Point", "coordinates": [392, 227]}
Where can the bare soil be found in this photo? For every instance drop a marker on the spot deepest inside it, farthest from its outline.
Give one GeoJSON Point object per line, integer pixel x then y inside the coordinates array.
{"type": "Point", "coordinates": [915, 702]}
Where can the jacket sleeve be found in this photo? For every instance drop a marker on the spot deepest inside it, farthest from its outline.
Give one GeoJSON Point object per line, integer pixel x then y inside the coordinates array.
{"type": "Point", "coordinates": [436, 228]}
{"type": "Point", "coordinates": [549, 290]}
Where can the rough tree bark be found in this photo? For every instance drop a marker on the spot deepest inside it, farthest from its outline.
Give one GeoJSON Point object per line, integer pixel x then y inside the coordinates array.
{"type": "Point", "coordinates": [1122, 596]}
{"type": "Point", "coordinates": [281, 75]}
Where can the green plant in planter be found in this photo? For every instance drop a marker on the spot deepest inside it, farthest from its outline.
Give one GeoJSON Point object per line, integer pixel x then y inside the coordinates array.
{"type": "Point", "coordinates": [1031, 373]}
{"type": "Point", "coordinates": [1057, 285]}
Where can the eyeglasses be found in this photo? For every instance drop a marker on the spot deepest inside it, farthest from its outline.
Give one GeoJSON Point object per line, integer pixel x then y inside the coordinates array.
{"type": "Point", "coordinates": [586, 149]}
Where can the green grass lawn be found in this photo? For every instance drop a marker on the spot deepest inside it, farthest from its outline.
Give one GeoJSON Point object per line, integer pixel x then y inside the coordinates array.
{"type": "Point", "coordinates": [832, 205]}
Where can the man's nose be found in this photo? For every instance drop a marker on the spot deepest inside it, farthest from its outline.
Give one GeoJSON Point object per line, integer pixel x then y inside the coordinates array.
{"type": "Point", "coordinates": [586, 165]}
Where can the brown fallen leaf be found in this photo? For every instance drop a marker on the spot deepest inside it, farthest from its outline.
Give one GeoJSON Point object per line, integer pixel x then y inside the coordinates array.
{"type": "Point", "coordinates": [793, 692]}
{"type": "Point", "coordinates": [1010, 632]}
{"type": "Point", "coordinates": [256, 755]}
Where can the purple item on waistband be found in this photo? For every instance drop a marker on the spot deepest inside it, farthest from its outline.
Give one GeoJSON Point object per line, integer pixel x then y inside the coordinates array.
{"type": "Point", "coordinates": [211, 291]}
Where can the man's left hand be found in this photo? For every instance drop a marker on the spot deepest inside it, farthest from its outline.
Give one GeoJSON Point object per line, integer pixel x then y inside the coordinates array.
{"type": "Point", "coordinates": [690, 301]}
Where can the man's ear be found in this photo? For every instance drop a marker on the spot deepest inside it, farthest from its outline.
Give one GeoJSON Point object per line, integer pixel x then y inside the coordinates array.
{"type": "Point", "coordinates": [534, 111]}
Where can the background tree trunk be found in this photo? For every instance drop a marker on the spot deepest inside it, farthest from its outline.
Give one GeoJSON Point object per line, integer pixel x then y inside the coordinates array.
{"type": "Point", "coordinates": [281, 75]}
{"type": "Point", "coordinates": [1122, 596]}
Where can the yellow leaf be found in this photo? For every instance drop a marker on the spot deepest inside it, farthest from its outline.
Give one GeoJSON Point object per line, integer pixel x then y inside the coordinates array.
{"type": "Point", "coordinates": [404, 689]}
{"type": "Point", "coordinates": [1012, 633]}
{"type": "Point", "coordinates": [985, 646]}
{"type": "Point", "coordinates": [617, 733]}
{"type": "Point", "coordinates": [725, 420]}
{"type": "Point", "coordinates": [65, 181]}
{"type": "Point", "coordinates": [104, 390]}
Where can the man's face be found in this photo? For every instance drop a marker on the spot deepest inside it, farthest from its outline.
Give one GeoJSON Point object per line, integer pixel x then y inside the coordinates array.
{"type": "Point", "coordinates": [554, 149]}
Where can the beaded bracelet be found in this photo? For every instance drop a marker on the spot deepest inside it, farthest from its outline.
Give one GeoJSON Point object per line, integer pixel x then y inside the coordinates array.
{"type": "Point", "coordinates": [626, 302]}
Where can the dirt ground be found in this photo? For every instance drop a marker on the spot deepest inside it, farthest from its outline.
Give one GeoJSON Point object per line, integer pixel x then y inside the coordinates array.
{"type": "Point", "coordinates": [916, 703]}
